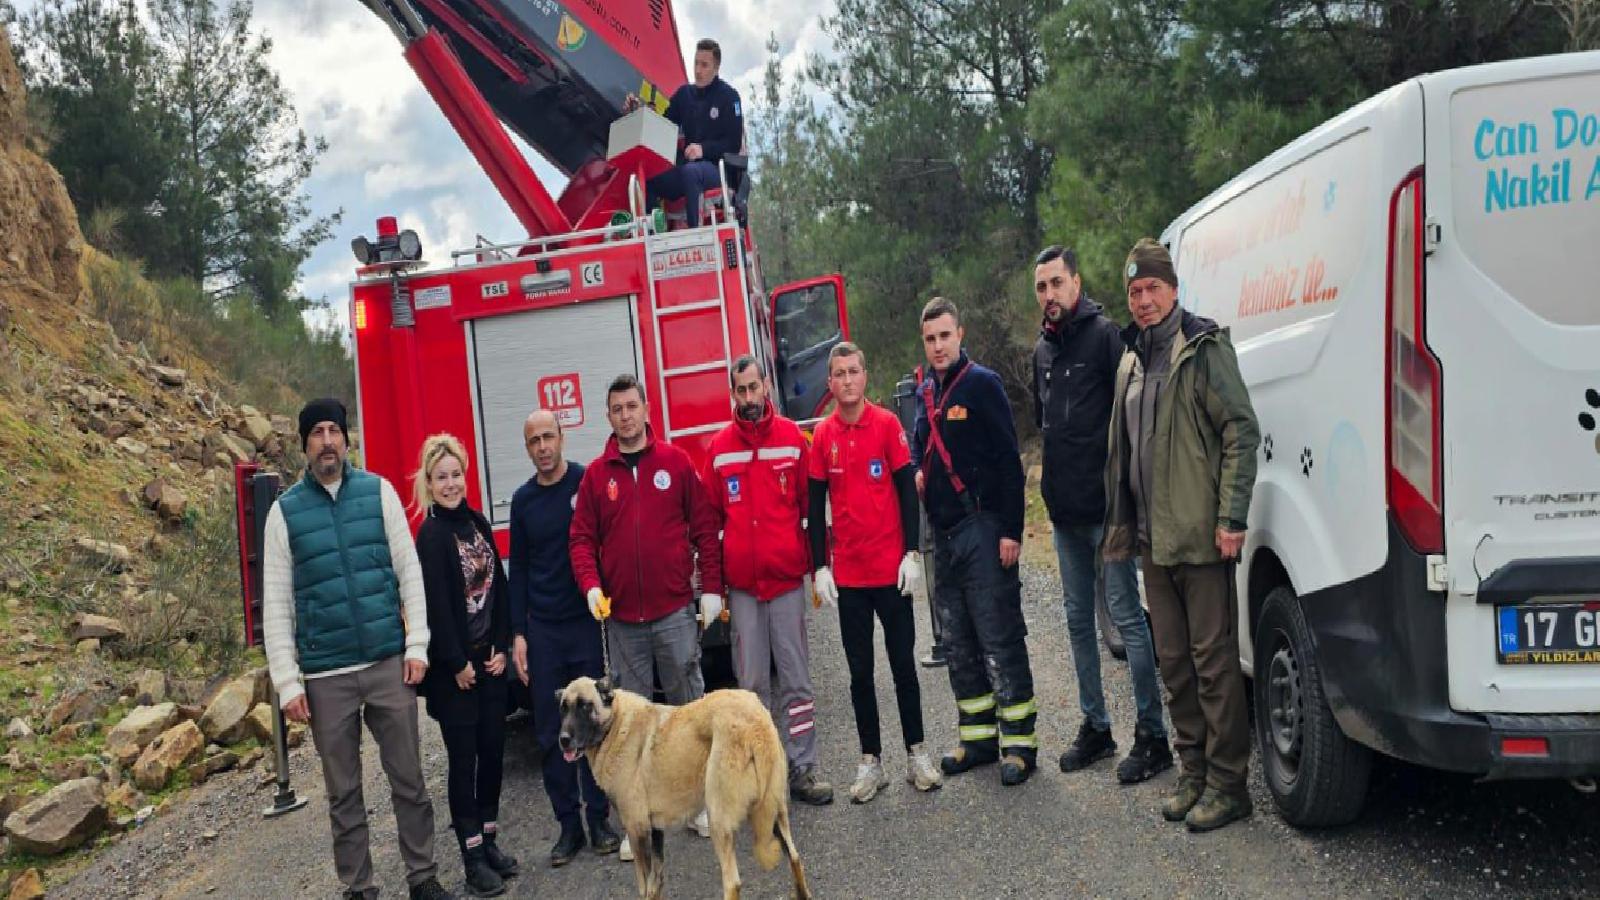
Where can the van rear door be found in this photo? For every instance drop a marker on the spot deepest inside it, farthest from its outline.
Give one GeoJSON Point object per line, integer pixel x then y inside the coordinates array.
{"type": "Point", "coordinates": [1512, 229]}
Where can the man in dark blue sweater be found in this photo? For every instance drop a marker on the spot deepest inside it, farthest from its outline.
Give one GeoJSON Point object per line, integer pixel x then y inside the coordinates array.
{"type": "Point", "coordinates": [555, 638]}
{"type": "Point", "coordinates": [966, 442]}
{"type": "Point", "coordinates": [712, 120]}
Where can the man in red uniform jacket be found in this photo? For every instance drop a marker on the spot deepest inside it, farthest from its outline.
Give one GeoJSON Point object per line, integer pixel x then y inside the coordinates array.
{"type": "Point", "coordinates": [641, 515]}
{"type": "Point", "coordinates": [755, 475]}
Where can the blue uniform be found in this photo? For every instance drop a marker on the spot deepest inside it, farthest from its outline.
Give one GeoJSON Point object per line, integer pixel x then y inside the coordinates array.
{"type": "Point", "coordinates": [563, 638]}
{"type": "Point", "coordinates": [712, 117]}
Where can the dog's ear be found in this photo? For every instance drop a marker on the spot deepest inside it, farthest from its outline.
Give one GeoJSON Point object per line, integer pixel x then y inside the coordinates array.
{"type": "Point", "coordinates": [605, 689]}
{"type": "Point", "coordinates": [560, 696]}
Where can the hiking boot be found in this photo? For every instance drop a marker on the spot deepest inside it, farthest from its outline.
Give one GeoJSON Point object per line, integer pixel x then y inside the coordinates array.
{"type": "Point", "coordinates": [1016, 767]}
{"type": "Point", "coordinates": [1092, 745]}
{"type": "Point", "coordinates": [482, 879]}
{"type": "Point", "coordinates": [1217, 809]}
{"type": "Point", "coordinates": [625, 850]}
{"type": "Point", "coordinates": [1149, 757]}
{"type": "Point", "coordinates": [965, 757]}
{"type": "Point", "coordinates": [431, 890]}
{"type": "Point", "coordinates": [504, 864]}
{"type": "Point", "coordinates": [602, 838]}
{"type": "Point", "coordinates": [870, 779]}
{"type": "Point", "coordinates": [700, 824]}
{"type": "Point", "coordinates": [805, 786]}
{"type": "Point", "coordinates": [567, 846]}
{"type": "Point", "coordinates": [1183, 797]}
{"type": "Point", "coordinates": [920, 771]}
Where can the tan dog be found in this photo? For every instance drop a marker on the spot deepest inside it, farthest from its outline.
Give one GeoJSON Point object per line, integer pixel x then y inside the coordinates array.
{"type": "Point", "coordinates": [661, 765]}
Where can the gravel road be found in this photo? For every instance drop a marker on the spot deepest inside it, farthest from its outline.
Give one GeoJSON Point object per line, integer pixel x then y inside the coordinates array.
{"type": "Point", "coordinates": [1057, 836]}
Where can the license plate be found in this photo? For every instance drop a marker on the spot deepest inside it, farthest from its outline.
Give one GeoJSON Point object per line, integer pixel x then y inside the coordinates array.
{"type": "Point", "coordinates": [1549, 633]}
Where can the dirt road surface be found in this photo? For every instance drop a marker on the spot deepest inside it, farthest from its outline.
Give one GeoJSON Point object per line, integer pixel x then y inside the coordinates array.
{"type": "Point", "coordinates": [1059, 835]}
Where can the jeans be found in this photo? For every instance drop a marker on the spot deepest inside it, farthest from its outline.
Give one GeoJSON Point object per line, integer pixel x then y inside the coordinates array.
{"type": "Point", "coordinates": [558, 652]}
{"type": "Point", "coordinates": [667, 648]}
{"type": "Point", "coordinates": [1076, 550]}
{"type": "Point", "coordinates": [475, 751]}
{"type": "Point", "coordinates": [688, 181]}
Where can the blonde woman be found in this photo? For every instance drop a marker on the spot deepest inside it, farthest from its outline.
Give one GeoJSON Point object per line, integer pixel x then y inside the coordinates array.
{"type": "Point", "coordinates": [468, 616]}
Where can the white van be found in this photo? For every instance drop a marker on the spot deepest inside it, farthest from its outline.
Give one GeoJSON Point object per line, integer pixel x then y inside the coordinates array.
{"type": "Point", "coordinates": [1414, 292]}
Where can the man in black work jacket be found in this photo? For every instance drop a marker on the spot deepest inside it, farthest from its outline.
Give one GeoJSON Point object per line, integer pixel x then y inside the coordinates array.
{"type": "Point", "coordinates": [971, 480]}
{"type": "Point", "coordinates": [712, 120]}
{"type": "Point", "coordinates": [1074, 369]}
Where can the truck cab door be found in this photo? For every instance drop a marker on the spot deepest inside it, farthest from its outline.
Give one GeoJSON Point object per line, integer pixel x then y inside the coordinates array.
{"type": "Point", "coordinates": [808, 320]}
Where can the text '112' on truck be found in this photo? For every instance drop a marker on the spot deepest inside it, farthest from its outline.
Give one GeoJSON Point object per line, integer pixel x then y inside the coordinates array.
{"type": "Point", "coordinates": [598, 287]}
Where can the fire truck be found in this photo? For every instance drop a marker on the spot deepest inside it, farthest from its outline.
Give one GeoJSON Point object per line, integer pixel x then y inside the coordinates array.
{"type": "Point", "coordinates": [597, 287]}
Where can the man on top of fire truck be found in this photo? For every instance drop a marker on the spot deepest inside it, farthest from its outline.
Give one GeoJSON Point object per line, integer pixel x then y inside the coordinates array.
{"type": "Point", "coordinates": [712, 120]}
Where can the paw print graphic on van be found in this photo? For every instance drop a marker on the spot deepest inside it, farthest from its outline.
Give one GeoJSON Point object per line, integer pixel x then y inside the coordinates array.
{"type": "Point", "coordinates": [1306, 462]}
{"type": "Point", "coordinates": [1266, 447]}
{"type": "Point", "coordinates": [1586, 418]}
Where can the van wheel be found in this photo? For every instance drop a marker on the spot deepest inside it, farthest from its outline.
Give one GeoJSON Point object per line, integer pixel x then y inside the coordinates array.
{"type": "Point", "coordinates": [1318, 777]}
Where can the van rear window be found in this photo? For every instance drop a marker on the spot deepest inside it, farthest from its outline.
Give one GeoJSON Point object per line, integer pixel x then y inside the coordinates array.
{"type": "Point", "coordinates": [1525, 187]}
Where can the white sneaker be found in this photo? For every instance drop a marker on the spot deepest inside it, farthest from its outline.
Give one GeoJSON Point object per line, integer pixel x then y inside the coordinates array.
{"type": "Point", "coordinates": [870, 779]}
{"type": "Point", "coordinates": [921, 771]}
{"type": "Point", "coordinates": [625, 852]}
{"type": "Point", "coordinates": [701, 825]}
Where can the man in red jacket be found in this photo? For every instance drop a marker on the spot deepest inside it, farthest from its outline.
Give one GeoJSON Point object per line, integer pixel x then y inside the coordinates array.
{"type": "Point", "coordinates": [641, 514]}
{"type": "Point", "coordinates": [755, 475]}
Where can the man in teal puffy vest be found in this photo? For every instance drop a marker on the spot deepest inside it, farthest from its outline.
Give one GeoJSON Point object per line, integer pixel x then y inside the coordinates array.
{"type": "Point", "coordinates": [345, 625]}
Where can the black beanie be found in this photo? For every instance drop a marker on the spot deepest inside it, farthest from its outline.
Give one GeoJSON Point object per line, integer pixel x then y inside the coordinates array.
{"type": "Point", "coordinates": [326, 409]}
{"type": "Point", "coordinates": [1149, 259]}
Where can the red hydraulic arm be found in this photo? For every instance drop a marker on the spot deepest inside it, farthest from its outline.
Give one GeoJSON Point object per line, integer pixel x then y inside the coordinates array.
{"type": "Point", "coordinates": [460, 101]}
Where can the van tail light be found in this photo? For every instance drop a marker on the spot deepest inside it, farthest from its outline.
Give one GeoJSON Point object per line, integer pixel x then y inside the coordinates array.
{"type": "Point", "coordinates": [1412, 382]}
{"type": "Point", "coordinates": [1526, 747]}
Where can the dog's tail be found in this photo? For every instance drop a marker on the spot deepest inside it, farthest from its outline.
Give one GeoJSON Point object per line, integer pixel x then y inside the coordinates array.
{"type": "Point", "coordinates": [772, 803]}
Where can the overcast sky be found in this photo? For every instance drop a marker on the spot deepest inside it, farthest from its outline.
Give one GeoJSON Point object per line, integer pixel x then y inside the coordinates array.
{"type": "Point", "coordinates": [391, 152]}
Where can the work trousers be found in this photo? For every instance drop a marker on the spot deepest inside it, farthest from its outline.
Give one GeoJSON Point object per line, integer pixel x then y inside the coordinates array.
{"type": "Point", "coordinates": [1194, 614]}
{"type": "Point", "coordinates": [857, 606]}
{"type": "Point", "coordinates": [689, 181]}
{"type": "Point", "coordinates": [1076, 550]}
{"type": "Point", "coordinates": [558, 652]}
{"type": "Point", "coordinates": [475, 743]}
{"type": "Point", "coordinates": [338, 705]}
{"type": "Point", "coordinates": [770, 634]}
{"type": "Point", "coordinates": [667, 648]}
{"type": "Point", "coordinates": [979, 603]}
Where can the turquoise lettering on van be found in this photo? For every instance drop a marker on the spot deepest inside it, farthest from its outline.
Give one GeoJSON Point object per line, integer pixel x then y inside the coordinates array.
{"type": "Point", "coordinates": [1492, 140]}
{"type": "Point", "coordinates": [1571, 127]}
{"type": "Point", "coordinates": [1537, 186]}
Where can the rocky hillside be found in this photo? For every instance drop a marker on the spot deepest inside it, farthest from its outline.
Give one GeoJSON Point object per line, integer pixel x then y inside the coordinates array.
{"type": "Point", "coordinates": [119, 600]}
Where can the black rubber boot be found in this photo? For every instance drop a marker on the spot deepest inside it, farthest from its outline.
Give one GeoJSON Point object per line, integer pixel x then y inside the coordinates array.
{"type": "Point", "coordinates": [504, 864]}
{"type": "Point", "coordinates": [482, 879]}
{"type": "Point", "coordinates": [1017, 766]}
{"type": "Point", "coordinates": [603, 838]}
{"type": "Point", "coordinates": [968, 756]}
{"type": "Point", "coordinates": [567, 845]}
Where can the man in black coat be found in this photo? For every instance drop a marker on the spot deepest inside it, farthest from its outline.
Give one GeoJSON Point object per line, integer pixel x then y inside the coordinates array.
{"type": "Point", "coordinates": [711, 117]}
{"type": "Point", "coordinates": [1074, 370]}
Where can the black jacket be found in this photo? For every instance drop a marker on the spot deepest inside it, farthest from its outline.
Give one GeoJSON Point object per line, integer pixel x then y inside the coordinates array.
{"type": "Point", "coordinates": [981, 437]}
{"type": "Point", "coordinates": [444, 584]}
{"type": "Point", "coordinates": [1074, 373]}
{"type": "Point", "coordinates": [711, 117]}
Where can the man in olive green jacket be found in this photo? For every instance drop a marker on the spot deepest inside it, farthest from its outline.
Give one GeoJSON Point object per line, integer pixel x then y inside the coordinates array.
{"type": "Point", "coordinates": [1179, 474]}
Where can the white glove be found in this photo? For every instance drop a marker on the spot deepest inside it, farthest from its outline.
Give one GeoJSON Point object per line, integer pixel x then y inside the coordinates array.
{"type": "Point", "coordinates": [596, 596]}
{"type": "Point", "coordinates": [910, 573]}
{"type": "Point", "coordinates": [710, 608]}
{"type": "Point", "coordinates": [827, 591]}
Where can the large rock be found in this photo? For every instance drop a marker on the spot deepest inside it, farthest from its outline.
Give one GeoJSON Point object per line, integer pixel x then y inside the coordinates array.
{"type": "Point", "coordinates": [170, 376]}
{"type": "Point", "coordinates": [28, 885]}
{"type": "Point", "coordinates": [150, 688]}
{"type": "Point", "coordinates": [76, 706]}
{"type": "Point", "coordinates": [68, 815]}
{"type": "Point", "coordinates": [258, 429]}
{"type": "Point", "coordinates": [174, 749]}
{"type": "Point", "coordinates": [138, 728]}
{"type": "Point", "coordinates": [226, 717]}
{"type": "Point", "coordinates": [89, 625]}
{"type": "Point", "coordinates": [103, 554]}
{"type": "Point", "coordinates": [19, 730]}
{"type": "Point", "coordinates": [261, 722]}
